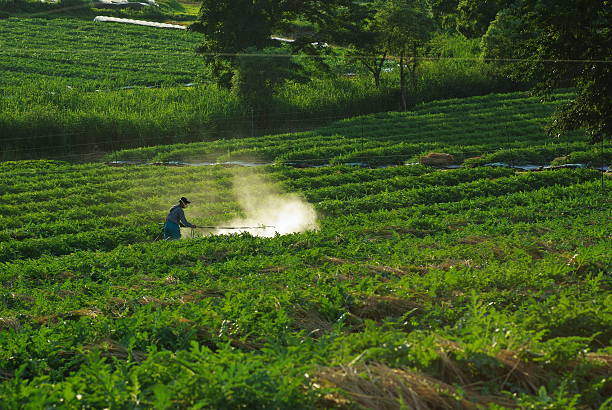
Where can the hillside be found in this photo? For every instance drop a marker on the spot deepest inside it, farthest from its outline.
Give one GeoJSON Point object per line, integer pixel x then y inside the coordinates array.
{"type": "Point", "coordinates": [88, 55]}
{"type": "Point", "coordinates": [72, 88]}
{"type": "Point", "coordinates": [415, 286]}
{"type": "Point", "coordinates": [478, 130]}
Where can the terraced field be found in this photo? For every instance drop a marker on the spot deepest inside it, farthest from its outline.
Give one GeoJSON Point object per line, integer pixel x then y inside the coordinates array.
{"type": "Point", "coordinates": [70, 86]}
{"type": "Point", "coordinates": [478, 130]}
{"type": "Point", "coordinates": [92, 55]}
{"type": "Point", "coordinates": [416, 286]}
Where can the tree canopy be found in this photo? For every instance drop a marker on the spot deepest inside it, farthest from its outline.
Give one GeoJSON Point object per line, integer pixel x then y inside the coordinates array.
{"type": "Point", "coordinates": [548, 43]}
{"type": "Point", "coordinates": [230, 27]}
{"type": "Point", "coordinates": [560, 43]}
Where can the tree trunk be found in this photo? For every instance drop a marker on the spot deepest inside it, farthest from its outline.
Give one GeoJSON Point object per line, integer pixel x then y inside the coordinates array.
{"type": "Point", "coordinates": [374, 66]}
{"type": "Point", "coordinates": [403, 101]}
{"type": "Point", "coordinates": [378, 71]}
{"type": "Point", "coordinates": [413, 68]}
{"type": "Point", "coordinates": [376, 74]}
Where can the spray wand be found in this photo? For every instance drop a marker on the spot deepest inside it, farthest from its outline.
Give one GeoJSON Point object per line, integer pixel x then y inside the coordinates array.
{"type": "Point", "coordinates": [235, 227]}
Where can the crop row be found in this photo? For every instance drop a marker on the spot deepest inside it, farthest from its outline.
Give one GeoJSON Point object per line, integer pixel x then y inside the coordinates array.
{"type": "Point", "coordinates": [500, 186]}
{"type": "Point", "coordinates": [107, 192]}
{"type": "Point", "coordinates": [145, 178]}
{"type": "Point", "coordinates": [550, 202]}
{"type": "Point", "coordinates": [365, 284]}
{"type": "Point", "coordinates": [356, 190]}
{"type": "Point", "coordinates": [86, 50]}
{"type": "Point", "coordinates": [532, 155]}
{"type": "Point", "coordinates": [357, 149]}
{"type": "Point", "coordinates": [230, 247]}
{"type": "Point", "coordinates": [312, 178]}
{"type": "Point", "coordinates": [100, 239]}
{"type": "Point", "coordinates": [50, 224]}
{"type": "Point", "coordinates": [82, 208]}
{"type": "Point", "coordinates": [418, 126]}
{"type": "Point", "coordinates": [427, 188]}
{"type": "Point", "coordinates": [442, 133]}
{"type": "Point", "coordinates": [445, 116]}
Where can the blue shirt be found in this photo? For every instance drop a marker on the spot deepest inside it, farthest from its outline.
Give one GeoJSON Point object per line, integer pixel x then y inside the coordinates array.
{"type": "Point", "coordinates": [177, 215]}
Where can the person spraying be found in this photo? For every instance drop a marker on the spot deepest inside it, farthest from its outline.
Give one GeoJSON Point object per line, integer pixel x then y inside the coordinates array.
{"type": "Point", "coordinates": [176, 219]}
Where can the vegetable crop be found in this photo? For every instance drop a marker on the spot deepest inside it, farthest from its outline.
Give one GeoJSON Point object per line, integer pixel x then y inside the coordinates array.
{"type": "Point", "coordinates": [471, 287]}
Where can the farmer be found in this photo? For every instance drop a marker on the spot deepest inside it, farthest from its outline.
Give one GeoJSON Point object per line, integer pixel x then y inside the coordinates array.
{"type": "Point", "coordinates": [175, 219]}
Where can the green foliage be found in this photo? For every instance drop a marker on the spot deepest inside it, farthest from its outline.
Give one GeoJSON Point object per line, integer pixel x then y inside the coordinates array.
{"type": "Point", "coordinates": [475, 16]}
{"type": "Point", "coordinates": [258, 75]}
{"type": "Point", "coordinates": [99, 97]}
{"type": "Point", "coordinates": [487, 280]}
{"type": "Point", "coordinates": [445, 13]}
{"type": "Point", "coordinates": [599, 157]}
{"type": "Point", "coordinates": [559, 43]}
{"type": "Point", "coordinates": [406, 27]}
{"type": "Point", "coordinates": [228, 33]}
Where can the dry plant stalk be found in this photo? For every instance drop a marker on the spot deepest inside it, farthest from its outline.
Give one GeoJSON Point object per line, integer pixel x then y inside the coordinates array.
{"type": "Point", "coordinates": [338, 261]}
{"type": "Point", "coordinates": [22, 298]}
{"type": "Point", "coordinates": [200, 294]}
{"type": "Point", "coordinates": [273, 269]}
{"type": "Point", "coordinates": [472, 239]}
{"type": "Point", "coordinates": [380, 387]}
{"type": "Point", "coordinates": [604, 358]}
{"type": "Point", "coordinates": [79, 313]}
{"type": "Point", "coordinates": [311, 321]}
{"type": "Point", "coordinates": [377, 307]}
{"type": "Point", "coordinates": [525, 374]}
{"type": "Point", "coordinates": [385, 269]}
{"type": "Point", "coordinates": [171, 280]}
{"type": "Point", "coordinates": [110, 348]}
{"type": "Point", "coordinates": [437, 158]}
{"type": "Point", "coordinates": [151, 300]}
{"type": "Point", "coordinates": [9, 323]}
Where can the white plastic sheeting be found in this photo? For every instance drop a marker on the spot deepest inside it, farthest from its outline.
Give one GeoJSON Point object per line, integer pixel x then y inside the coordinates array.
{"type": "Point", "coordinates": [355, 164]}
{"type": "Point", "coordinates": [290, 40]}
{"type": "Point", "coordinates": [138, 22]}
{"type": "Point", "coordinates": [122, 4]}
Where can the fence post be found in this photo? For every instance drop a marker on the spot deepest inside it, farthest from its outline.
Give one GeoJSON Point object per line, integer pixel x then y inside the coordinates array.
{"type": "Point", "coordinates": [602, 164]}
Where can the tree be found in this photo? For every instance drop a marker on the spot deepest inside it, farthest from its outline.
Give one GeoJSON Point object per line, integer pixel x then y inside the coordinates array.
{"type": "Point", "coordinates": [257, 74]}
{"type": "Point", "coordinates": [407, 25]}
{"type": "Point", "coordinates": [475, 16]}
{"type": "Point", "coordinates": [397, 28]}
{"type": "Point", "coordinates": [560, 43]}
{"type": "Point", "coordinates": [364, 37]}
{"type": "Point", "coordinates": [445, 13]}
{"type": "Point", "coordinates": [468, 17]}
{"type": "Point", "coordinates": [229, 27]}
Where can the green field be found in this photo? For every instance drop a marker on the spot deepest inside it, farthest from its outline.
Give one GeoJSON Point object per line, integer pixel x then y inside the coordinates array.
{"type": "Point", "coordinates": [70, 87]}
{"type": "Point", "coordinates": [89, 55]}
{"type": "Point", "coordinates": [475, 287]}
{"type": "Point", "coordinates": [77, 86]}
{"type": "Point", "coordinates": [478, 130]}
